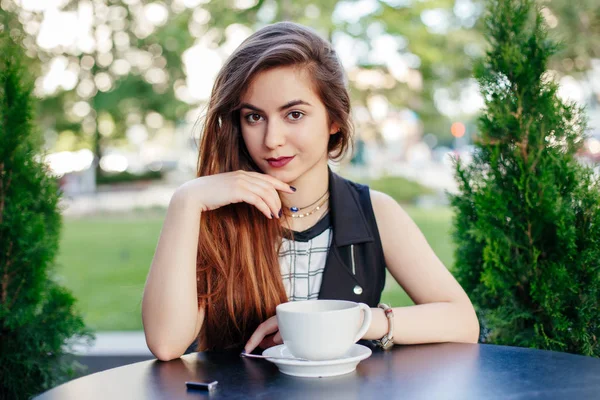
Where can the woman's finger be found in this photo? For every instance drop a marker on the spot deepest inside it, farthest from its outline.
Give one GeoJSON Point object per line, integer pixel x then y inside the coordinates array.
{"type": "Point", "coordinates": [267, 342]}
{"type": "Point", "coordinates": [277, 339]}
{"type": "Point", "coordinates": [266, 192]}
{"type": "Point", "coordinates": [250, 197]}
{"type": "Point", "coordinates": [266, 328]}
{"type": "Point", "coordinates": [271, 340]}
{"type": "Point", "coordinates": [279, 185]}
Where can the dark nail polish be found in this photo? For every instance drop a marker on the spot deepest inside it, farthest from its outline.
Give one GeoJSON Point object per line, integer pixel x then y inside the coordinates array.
{"type": "Point", "coordinates": [280, 212]}
{"type": "Point", "coordinates": [293, 188]}
{"type": "Point", "coordinates": [272, 216]}
{"type": "Point", "coordinates": [244, 351]}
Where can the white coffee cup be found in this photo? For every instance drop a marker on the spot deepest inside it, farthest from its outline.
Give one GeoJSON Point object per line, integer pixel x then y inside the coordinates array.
{"type": "Point", "coordinates": [322, 329]}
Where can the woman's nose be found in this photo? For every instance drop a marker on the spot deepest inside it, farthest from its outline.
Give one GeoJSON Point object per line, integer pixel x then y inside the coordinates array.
{"type": "Point", "coordinates": [275, 135]}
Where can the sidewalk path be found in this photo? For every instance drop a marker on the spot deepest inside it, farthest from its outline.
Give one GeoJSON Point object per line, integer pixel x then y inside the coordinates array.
{"type": "Point", "coordinates": [155, 195]}
{"type": "Point", "coordinates": [115, 343]}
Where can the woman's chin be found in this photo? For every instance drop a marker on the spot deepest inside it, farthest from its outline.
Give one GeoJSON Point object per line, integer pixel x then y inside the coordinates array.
{"type": "Point", "coordinates": [284, 176]}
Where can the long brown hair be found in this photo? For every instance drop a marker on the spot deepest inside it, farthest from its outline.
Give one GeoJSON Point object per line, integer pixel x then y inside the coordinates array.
{"type": "Point", "coordinates": [239, 281]}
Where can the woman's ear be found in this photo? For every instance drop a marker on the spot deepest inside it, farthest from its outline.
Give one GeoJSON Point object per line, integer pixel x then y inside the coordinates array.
{"type": "Point", "coordinates": [334, 129]}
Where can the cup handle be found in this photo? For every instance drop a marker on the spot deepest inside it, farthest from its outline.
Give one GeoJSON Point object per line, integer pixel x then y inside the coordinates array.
{"type": "Point", "coordinates": [366, 322]}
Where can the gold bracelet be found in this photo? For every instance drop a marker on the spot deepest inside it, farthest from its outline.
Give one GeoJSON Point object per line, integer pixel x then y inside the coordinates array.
{"type": "Point", "coordinates": [387, 341]}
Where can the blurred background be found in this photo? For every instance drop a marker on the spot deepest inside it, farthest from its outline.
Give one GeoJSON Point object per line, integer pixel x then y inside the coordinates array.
{"type": "Point", "coordinates": [122, 84]}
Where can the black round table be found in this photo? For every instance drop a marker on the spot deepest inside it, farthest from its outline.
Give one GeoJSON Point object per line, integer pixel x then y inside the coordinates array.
{"type": "Point", "coordinates": [434, 371]}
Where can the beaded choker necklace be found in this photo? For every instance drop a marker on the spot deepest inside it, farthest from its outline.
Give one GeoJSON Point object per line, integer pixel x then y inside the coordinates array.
{"type": "Point", "coordinates": [319, 203]}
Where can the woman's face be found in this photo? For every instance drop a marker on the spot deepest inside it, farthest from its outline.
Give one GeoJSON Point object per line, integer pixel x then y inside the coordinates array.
{"type": "Point", "coordinates": [281, 116]}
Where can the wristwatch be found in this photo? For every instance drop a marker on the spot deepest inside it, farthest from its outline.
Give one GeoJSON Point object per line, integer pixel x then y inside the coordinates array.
{"type": "Point", "coordinates": [387, 341]}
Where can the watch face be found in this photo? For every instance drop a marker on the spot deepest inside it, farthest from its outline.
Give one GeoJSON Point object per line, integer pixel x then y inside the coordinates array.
{"type": "Point", "coordinates": [385, 343]}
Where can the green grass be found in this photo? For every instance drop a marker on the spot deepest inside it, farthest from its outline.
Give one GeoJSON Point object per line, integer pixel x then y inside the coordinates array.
{"type": "Point", "coordinates": [104, 261]}
{"type": "Point", "coordinates": [435, 223]}
{"type": "Point", "coordinates": [403, 190]}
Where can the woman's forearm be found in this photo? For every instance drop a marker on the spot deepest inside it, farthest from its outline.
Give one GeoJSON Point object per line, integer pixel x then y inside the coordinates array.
{"type": "Point", "coordinates": [428, 323]}
{"type": "Point", "coordinates": [170, 312]}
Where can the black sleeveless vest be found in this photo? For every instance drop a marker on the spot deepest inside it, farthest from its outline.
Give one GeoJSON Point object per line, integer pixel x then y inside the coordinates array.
{"type": "Point", "coordinates": [355, 266]}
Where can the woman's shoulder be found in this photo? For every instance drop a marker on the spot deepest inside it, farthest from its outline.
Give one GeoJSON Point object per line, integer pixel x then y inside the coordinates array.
{"type": "Point", "coordinates": [381, 199]}
{"type": "Point", "coordinates": [381, 204]}
{"type": "Point", "coordinates": [390, 216]}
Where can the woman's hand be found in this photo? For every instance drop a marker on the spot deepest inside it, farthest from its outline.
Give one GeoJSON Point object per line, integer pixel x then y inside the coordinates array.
{"type": "Point", "coordinates": [265, 336]}
{"type": "Point", "coordinates": [214, 191]}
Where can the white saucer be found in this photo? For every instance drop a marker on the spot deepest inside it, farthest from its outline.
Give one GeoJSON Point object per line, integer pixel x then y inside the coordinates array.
{"type": "Point", "coordinates": [317, 369]}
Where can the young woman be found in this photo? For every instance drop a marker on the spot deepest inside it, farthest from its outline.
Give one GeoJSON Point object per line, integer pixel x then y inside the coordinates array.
{"type": "Point", "coordinates": [267, 221]}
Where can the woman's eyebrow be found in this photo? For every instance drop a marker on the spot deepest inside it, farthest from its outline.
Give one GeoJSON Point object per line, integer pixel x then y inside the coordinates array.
{"type": "Point", "coordinates": [283, 107]}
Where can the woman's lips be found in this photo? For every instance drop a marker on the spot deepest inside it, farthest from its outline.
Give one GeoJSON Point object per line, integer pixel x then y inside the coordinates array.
{"type": "Point", "coordinates": [280, 162]}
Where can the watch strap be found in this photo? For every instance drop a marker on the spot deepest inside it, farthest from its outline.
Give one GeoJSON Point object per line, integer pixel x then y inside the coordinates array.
{"type": "Point", "coordinates": [387, 341]}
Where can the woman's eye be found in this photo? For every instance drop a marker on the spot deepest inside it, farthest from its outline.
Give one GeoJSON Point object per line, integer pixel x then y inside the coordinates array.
{"type": "Point", "coordinates": [251, 120]}
{"type": "Point", "coordinates": [298, 113]}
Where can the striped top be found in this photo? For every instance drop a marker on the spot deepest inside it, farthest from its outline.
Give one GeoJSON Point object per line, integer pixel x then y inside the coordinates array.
{"type": "Point", "coordinates": [302, 260]}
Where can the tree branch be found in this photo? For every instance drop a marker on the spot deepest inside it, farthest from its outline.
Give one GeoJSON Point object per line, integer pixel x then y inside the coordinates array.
{"type": "Point", "coordinates": [6, 276]}
{"type": "Point", "coordinates": [2, 193]}
{"type": "Point", "coordinates": [16, 294]}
